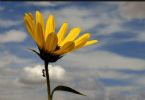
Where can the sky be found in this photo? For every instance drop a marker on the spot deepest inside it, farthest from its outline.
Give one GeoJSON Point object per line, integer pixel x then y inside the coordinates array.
{"type": "Point", "coordinates": [113, 69]}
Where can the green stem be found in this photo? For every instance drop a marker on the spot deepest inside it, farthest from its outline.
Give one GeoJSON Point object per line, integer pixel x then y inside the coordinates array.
{"type": "Point", "coordinates": [48, 80]}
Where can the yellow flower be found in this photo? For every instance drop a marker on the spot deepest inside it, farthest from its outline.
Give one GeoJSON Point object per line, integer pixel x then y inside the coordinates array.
{"type": "Point", "coordinates": [52, 46]}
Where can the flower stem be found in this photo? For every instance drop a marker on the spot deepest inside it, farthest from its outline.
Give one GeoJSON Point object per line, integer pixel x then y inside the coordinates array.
{"type": "Point", "coordinates": [48, 80]}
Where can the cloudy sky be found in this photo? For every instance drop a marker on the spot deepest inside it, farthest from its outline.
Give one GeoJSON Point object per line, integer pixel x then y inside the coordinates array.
{"type": "Point", "coordinates": [114, 69]}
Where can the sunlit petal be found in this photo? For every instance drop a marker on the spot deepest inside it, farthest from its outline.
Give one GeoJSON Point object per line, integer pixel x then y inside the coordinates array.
{"type": "Point", "coordinates": [51, 42]}
{"type": "Point", "coordinates": [30, 27]}
{"type": "Point", "coordinates": [50, 26]}
{"type": "Point", "coordinates": [29, 23]}
{"type": "Point", "coordinates": [40, 20]}
{"type": "Point", "coordinates": [62, 32]}
{"type": "Point", "coordinates": [72, 35]}
{"type": "Point", "coordinates": [67, 47]}
{"type": "Point", "coordinates": [31, 16]}
{"type": "Point", "coordinates": [40, 35]}
{"type": "Point", "coordinates": [91, 42]}
{"type": "Point", "coordinates": [80, 42]}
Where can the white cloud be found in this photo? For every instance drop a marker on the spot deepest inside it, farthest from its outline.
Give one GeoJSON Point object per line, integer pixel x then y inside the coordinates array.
{"type": "Point", "coordinates": [132, 10]}
{"type": "Point", "coordinates": [113, 90]}
{"type": "Point", "coordinates": [118, 96]}
{"type": "Point", "coordinates": [103, 60]}
{"type": "Point", "coordinates": [33, 75]}
{"type": "Point", "coordinates": [110, 29]}
{"type": "Point", "coordinates": [140, 37]}
{"type": "Point", "coordinates": [75, 16]}
{"type": "Point", "coordinates": [6, 59]}
{"type": "Point", "coordinates": [44, 3]}
{"type": "Point", "coordinates": [2, 8]}
{"type": "Point", "coordinates": [139, 81]}
{"type": "Point", "coordinates": [57, 72]}
{"type": "Point", "coordinates": [112, 74]}
{"type": "Point", "coordinates": [12, 36]}
{"type": "Point", "coordinates": [8, 23]}
{"type": "Point", "coordinates": [140, 96]}
{"type": "Point", "coordinates": [112, 23]}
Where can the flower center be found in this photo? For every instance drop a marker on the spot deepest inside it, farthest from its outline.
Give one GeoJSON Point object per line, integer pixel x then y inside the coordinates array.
{"type": "Point", "coordinates": [49, 57]}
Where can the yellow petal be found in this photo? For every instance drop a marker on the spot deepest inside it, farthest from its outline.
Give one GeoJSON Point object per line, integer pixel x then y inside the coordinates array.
{"type": "Point", "coordinates": [40, 36]}
{"type": "Point", "coordinates": [39, 19]}
{"type": "Point", "coordinates": [30, 27]}
{"type": "Point", "coordinates": [50, 26]}
{"type": "Point", "coordinates": [80, 42]}
{"type": "Point", "coordinates": [91, 42]}
{"type": "Point", "coordinates": [67, 47]}
{"type": "Point", "coordinates": [31, 16]}
{"type": "Point", "coordinates": [62, 32]}
{"type": "Point", "coordinates": [72, 35]}
{"type": "Point", "coordinates": [29, 23]}
{"type": "Point", "coordinates": [51, 42]}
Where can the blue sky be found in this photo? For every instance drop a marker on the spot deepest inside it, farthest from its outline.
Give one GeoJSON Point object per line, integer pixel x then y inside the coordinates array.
{"type": "Point", "coordinates": [114, 68]}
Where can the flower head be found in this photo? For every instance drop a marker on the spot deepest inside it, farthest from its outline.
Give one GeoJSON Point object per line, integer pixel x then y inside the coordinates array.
{"type": "Point", "coordinates": [53, 46]}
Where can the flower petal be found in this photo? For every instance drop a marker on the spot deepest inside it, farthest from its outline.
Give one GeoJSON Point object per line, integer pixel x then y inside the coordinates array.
{"type": "Point", "coordinates": [29, 23]}
{"type": "Point", "coordinates": [31, 16]}
{"type": "Point", "coordinates": [62, 32]}
{"type": "Point", "coordinates": [30, 26]}
{"type": "Point", "coordinates": [40, 20]}
{"type": "Point", "coordinates": [40, 35]}
{"type": "Point", "coordinates": [51, 42]}
{"type": "Point", "coordinates": [80, 42]}
{"type": "Point", "coordinates": [67, 47]}
{"type": "Point", "coordinates": [91, 42]}
{"type": "Point", "coordinates": [36, 33]}
{"type": "Point", "coordinates": [72, 35]}
{"type": "Point", "coordinates": [50, 26]}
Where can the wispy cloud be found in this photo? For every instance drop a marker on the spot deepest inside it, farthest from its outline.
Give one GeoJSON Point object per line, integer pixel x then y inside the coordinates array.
{"type": "Point", "coordinates": [2, 8]}
{"type": "Point", "coordinates": [8, 23]}
{"type": "Point", "coordinates": [132, 10]}
{"type": "Point", "coordinates": [34, 74]}
{"type": "Point", "coordinates": [12, 36]}
{"type": "Point", "coordinates": [8, 59]}
{"type": "Point", "coordinates": [103, 59]}
{"type": "Point", "coordinates": [45, 3]}
{"type": "Point", "coordinates": [75, 16]}
{"type": "Point", "coordinates": [139, 37]}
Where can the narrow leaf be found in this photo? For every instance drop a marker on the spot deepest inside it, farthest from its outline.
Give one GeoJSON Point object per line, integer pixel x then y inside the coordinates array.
{"type": "Point", "coordinates": [65, 88]}
{"type": "Point", "coordinates": [34, 51]}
